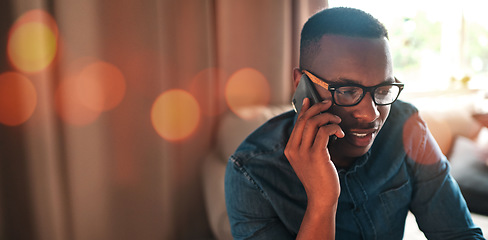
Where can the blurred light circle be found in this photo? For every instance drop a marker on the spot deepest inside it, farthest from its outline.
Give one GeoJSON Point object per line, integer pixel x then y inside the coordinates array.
{"type": "Point", "coordinates": [247, 87]}
{"type": "Point", "coordinates": [69, 106]}
{"type": "Point", "coordinates": [100, 86]}
{"type": "Point", "coordinates": [18, 98]}
{"type": "Point", "coordinates": [175, 115]}
{"type": "Point", "coordinates": [32, 42]}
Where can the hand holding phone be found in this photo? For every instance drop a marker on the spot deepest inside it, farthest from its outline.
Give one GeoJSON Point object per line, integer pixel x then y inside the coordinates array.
{"type": "Point", "coordinates": [306, 89]}
{"type": "Point", "coordinates": [307, 148]}
{"type": "Point", "coordinates": [309, 155]}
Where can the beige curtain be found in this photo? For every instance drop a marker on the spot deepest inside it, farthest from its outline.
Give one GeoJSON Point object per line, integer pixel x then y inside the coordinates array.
{"type": "Point", "coordinates": [110, 106]}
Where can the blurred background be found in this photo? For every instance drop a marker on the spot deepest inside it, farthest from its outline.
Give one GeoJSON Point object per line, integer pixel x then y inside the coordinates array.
{"type": "Point", "coordinates": [107, 108]}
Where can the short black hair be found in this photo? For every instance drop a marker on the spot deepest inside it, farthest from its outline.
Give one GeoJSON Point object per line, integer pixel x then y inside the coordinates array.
{"type": "Point", "coordinates": [343, 21]}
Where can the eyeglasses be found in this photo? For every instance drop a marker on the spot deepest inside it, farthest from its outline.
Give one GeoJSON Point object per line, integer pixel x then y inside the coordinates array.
{"type": "Point", "coordinates": [347, 95]}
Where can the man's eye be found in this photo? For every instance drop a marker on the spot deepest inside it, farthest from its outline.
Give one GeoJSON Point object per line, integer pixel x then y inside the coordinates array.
{"type": "Point", "coordinates": [384, 90]}
{"type": "Point", "coordinates": [349, 90]}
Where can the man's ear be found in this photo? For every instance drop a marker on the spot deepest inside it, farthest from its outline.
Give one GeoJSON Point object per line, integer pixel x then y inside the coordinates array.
{"type": "Point", "coordinates": [297, 74]}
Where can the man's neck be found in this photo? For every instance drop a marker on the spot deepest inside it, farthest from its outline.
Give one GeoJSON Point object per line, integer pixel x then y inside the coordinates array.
{"type": "Point", "coordinates": [342, 162]}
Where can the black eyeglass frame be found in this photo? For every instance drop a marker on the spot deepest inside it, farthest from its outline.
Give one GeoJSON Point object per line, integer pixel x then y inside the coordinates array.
{"type": "Point", "coordinates": [333, 87]}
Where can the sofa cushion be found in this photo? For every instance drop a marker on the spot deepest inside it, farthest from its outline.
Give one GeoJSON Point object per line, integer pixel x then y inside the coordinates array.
{"type": "Point", "coordinates": [233, 129]}
{"type": "Point", "coordinates": [469, 168]}
{"type": "Point", "coordinates": [440, 130]}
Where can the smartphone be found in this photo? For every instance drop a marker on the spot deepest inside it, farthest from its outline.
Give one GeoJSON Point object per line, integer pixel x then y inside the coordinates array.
{"type": "Point", "coordinates": [305, 89]}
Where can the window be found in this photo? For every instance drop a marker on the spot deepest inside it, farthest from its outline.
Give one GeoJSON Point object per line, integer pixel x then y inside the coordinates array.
{"type": "Point", "coordinates": [436, 45]}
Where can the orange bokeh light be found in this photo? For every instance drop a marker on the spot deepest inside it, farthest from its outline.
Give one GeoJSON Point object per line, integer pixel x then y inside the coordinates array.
{"type": "Point", "coordinates": [18, 98]}
{"type": "Point", "coordinates": [175, 115]}
{"type": "Point", "coordinates": [245, 88]}
{"type": "Point", "coordinates": [69, 106]}
{"type": "Point", "coordinates": [101, 86]}
{"type": "Point", "coordinates": [32, 42]}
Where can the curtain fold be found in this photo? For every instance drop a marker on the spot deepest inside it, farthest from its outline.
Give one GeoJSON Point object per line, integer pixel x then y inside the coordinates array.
{"type": "Point", "coordinates": [126, 105]}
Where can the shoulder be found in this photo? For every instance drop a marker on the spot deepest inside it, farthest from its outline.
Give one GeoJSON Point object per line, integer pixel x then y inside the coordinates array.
{"type": "Point", "coordinates": [269, 138]}
{"type": "Point", "coordinates": [406, 119]}
{"type": "Point", "coordinates": [261, 159]}
{"type": "Point", "coordinates": [261, 156]}
{"type": "Point", "coordinates": [417, 141]}
{"type": "Point", "coordinates": [403, 120]}
{"type": "Point", "coordinates": [401, 111]}
{"type": "Point", "coordinates": [402, 126]}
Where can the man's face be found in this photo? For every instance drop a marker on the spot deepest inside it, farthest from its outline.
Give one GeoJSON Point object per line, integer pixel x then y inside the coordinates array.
{"type": "Point", "coordinates": [363, 61]}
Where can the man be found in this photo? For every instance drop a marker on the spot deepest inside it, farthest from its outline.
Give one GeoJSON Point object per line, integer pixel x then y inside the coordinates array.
{"type": "Point", "coordinates": [352, 165]}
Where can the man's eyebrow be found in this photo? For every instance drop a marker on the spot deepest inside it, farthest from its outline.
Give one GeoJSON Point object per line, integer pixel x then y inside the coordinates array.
{"type": "Point", "coordinates": [341, 80]}
{"type": "Point", "coordinates": [346, 81]}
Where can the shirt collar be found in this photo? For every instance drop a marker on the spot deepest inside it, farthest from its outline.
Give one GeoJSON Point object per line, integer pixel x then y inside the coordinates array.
{"type": "Point", "coordinates": [360, 161]}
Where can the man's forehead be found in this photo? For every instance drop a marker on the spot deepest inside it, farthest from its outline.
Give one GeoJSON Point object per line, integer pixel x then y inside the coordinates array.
{"type": "Point", "coordinates": [343, 59]}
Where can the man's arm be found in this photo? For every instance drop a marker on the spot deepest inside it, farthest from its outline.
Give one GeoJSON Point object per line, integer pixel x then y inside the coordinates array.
{"type": "Point", "coordinates": [440, 209]}
{"type": "Point", "coordinates": [437, 202]}
{"type": "Point", "coordinates": [307, 153]}
{"type": "Point", "coordinates": [318, 222]}
{"type": "Point", "coordinates": [250, 213]}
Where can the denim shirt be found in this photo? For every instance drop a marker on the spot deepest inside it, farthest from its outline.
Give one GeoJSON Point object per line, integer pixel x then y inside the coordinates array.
{"type": "Point", "coordinates": [404, 170]}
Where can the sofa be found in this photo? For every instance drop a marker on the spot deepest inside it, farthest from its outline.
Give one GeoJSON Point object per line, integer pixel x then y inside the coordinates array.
{"type": "Point", "coordinates": [457, 133]}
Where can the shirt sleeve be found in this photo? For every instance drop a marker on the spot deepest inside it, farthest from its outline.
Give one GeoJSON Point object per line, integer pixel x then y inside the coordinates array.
{"type": "Point", "coordinates": [251, 215]}
{"type": "Point", "coordinates": [437, 202]}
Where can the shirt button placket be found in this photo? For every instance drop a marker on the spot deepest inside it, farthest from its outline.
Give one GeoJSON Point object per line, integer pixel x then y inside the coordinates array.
{"type": "Point", "coordinates": [359, 198]}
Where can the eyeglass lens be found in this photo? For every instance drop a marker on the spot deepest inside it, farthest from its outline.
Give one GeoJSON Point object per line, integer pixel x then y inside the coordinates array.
{"type": "Point", "coordinates": [351, 95]}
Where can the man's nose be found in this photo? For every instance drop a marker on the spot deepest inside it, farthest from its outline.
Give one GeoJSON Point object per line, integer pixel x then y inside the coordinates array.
{"type": "Point", "coordinates": [366, 110]}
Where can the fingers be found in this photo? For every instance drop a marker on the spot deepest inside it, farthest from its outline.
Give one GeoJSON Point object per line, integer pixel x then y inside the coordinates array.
{"type": "Point", "coordinates": [316, 109]}
{"type": "Point", "coordinates": [326, 122]}
{"type": "Point", "coordinates": [296, 134]}
{"type": "Point", "coordinates": [307, 151]}
{"type": "Point", "coordinates": [323, 135]}
{"type": "Point", "coordinates": [310, 120]}
{"type": "Point", "coordinates": [306, 113]}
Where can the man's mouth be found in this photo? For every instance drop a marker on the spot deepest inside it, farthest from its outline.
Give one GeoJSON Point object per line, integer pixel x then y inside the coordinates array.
{"type": "Point", "coordinates": [361, 135]}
